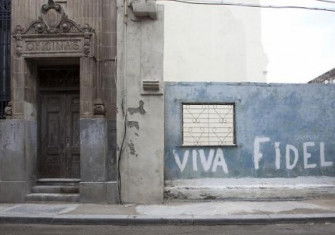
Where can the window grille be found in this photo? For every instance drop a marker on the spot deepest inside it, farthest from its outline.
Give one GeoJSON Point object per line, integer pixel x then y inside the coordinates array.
{"type": "Point", "coordinates": [208, 124]}
{"type": "Point", "coordinates": [5, 10]}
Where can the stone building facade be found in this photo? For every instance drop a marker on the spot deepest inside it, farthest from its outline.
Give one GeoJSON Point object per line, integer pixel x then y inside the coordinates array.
{"type": "Point", "coordinates": [86, 98]}
{"type": "Point", "coordinates": [326, 78]}
{"type": "Point", "coordinates": [91, 119]}
{"type": "Point", "coordinates": [61, 118]}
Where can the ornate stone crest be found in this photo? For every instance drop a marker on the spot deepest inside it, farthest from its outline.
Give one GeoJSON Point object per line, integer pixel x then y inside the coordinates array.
{"type": "Point", "coordinates": [52, 15]}
{"type": "Point", "coordinates": [54, 33]}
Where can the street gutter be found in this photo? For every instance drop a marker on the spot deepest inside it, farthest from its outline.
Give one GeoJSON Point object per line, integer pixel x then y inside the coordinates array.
{"type": "Point", "coordinates": [175, 220]}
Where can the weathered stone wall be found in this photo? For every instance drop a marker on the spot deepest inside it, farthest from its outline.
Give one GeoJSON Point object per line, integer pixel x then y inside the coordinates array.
{"type": "Point", "coordinates": [14, 183]}
{"type": "Point", "coordinates": [282, 131]}
{"type": "Point", "coordinates": [101, 16]}
{"type": "Point", "coordinates": [140, 120]}
{"type": "Point", "coordinates": [97, 80]}
{"type": "Point", "coordinates": [268, 119]}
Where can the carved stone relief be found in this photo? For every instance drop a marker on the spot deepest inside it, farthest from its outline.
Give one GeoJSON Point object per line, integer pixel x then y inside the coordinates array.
{"type": "Point", "coordinates": [99, 108]}
{"type": "Point", "coordinates": [54, 33]}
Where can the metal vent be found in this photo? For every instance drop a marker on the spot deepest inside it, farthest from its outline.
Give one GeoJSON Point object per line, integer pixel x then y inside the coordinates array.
{"type": "Point", "coordinates": [151, 87]}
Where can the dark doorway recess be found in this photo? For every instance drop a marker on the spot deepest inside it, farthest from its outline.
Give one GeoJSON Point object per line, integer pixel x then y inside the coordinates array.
{"type": "Point", "coordinates": [59, 104]}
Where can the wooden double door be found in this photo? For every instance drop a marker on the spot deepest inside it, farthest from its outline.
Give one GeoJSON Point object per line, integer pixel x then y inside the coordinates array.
{"type": "Point", "coordinates": [59, 132]}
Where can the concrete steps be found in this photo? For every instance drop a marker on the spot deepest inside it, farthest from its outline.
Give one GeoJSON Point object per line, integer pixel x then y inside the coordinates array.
{"type": "Point", "coordinates": [56, 190]}
{"type": "Point", "coordinates": [57, 181]}
{"type": "Point", "coordinates": [53, 197]}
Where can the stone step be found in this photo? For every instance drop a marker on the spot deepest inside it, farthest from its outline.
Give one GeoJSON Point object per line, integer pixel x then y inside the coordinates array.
{"type": "Point", "coordinates": [55, 189]}
{"type": "Point", "coordinates": [56, 197]}
{"type": "Point", "coordinates": [57, 181]}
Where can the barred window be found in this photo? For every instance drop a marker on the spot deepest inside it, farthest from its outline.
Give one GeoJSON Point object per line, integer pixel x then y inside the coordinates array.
{"type": "Point", "coordinates": [5, 10]}
{"type": "Point", "coordinates": [209, 124]}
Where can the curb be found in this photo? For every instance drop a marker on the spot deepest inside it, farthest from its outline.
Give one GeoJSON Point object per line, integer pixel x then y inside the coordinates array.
{"type": "Point", "coordinates": [176, 220]}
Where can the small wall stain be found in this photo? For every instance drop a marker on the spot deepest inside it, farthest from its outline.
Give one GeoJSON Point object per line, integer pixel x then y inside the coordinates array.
{"type": "Point", "coordinates": [208, 197]}
{"type": "Point", "coordinates": [132, 148]}
{"type": "Point", "coordinates": [133, 124]}
{"type": "Point", "coordinates": [139, 110]}
{"type": "Point", "coordinates": [174, 195]}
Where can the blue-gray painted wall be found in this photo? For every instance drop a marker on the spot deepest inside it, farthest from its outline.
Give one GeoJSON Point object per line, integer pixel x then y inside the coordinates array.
{"type": "Point", "coordinates": [291, 114]}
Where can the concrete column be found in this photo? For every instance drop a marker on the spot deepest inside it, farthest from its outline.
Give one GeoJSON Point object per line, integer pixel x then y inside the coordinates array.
{"type": "Point", "coordinates": [18, 135]}
{"type": "Point", "coordinates": [94, 186]}
{"type": "Point", "coordinates": [13, 178]}
{"type": "Point", "coordinates": [98, 134]}
{"type": "Point", "coordinates": [17, 86]}
{"type": "Point", "coordinates": [141, 114]}
{"type": "Point", "coordinates": [87, 88]}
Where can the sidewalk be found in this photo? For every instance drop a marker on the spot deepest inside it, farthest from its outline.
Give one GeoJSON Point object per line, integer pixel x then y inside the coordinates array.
{"type": "Point", "coordinates": [204, 213]}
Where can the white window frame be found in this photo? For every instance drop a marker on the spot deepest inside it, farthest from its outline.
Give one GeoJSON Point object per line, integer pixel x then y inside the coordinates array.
{"type": "Point", "coordinates": [212, 140]}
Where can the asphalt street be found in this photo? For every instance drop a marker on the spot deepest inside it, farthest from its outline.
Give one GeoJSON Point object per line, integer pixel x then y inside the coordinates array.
{"type": "Point", "coordinates": [288, 229]}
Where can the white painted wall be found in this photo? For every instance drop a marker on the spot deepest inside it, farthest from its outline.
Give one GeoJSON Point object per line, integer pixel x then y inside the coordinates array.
{"type": "Point", "coordinates": [212, 43]}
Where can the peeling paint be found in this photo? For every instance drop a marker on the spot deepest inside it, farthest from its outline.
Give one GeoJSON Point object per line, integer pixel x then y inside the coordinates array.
{"type": "Point", "coordinates": [132, 148]}
{"type": "Point", "coordinates": [206, 196]}
{"type": "Point", "coordinates": [139, 109]}
{"type": "Point", "coordinates": [282, 130]}
{"type": "Point", "coordinates": [133, 124]}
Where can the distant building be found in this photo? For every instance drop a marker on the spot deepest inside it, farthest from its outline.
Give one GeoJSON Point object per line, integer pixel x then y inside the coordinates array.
{"type": "Point", "coordinates": [326, 78]}
{"type": "Point", "coordinates": [228, 45]}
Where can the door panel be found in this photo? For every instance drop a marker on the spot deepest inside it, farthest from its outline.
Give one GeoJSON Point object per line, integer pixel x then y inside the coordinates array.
{"type": "Point", "coordinates": [72, 137]}
{"type": "Point", "coordinates": [59, 133]}
{"type": "Point", "coordinates": [51, 135]}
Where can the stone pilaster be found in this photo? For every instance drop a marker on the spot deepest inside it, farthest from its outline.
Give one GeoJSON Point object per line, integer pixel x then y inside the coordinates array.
{"type": "Point", "coordinates": [140, 116]}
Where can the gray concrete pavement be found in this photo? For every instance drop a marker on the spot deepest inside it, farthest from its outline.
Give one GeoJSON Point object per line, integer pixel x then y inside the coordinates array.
{"type": "Point", "coordinates": [274, 229]}
{"type": "Point", "coordinates": [188, 213]}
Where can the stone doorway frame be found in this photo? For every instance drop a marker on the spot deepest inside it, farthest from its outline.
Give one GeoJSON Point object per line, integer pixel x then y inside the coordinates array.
{"type": "Point", "coordinates": [52, 39]}
{"type": "Point", "coordinates": [65, 85]}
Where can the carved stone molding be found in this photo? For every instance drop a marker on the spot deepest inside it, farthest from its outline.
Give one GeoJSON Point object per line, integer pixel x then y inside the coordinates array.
{"type": "Point", "coordinates": [9, 110]}
{"type": "Point", "coordinates": [53, 33]}
{"type": "Point", "coordinates": [99, 108]}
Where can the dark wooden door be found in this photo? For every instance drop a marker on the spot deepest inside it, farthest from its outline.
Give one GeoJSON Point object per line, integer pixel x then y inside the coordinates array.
{"type": "Point", "coordinates": [59, 135]}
